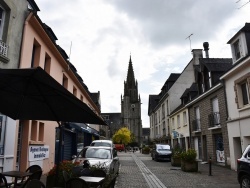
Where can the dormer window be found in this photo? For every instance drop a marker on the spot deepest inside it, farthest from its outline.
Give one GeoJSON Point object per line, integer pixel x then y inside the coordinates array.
{"type": "Point", "coordinates": [236, 46]}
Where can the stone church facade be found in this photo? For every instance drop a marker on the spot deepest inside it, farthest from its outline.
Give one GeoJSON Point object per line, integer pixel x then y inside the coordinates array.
{"type": "Point", "coordinates": [131, 105]}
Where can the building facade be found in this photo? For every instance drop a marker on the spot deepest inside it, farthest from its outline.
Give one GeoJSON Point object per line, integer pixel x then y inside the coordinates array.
{"type": "Point", "coordinates": [12, 16]}
{"type": "Point", "coordinates": [39, 48]}
{"type": "Point", "coordinates": [237, 87]}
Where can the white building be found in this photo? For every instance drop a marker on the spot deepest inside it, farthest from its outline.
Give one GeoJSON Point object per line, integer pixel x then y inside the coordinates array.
{"type": "Point", "coordinates": [237, 84]}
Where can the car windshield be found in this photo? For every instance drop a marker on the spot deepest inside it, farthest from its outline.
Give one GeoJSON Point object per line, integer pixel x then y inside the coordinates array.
{"type": "Point", "coordinates": [163, 148]}
{"type": "Point", "coordinates": [100, 144]}
{"type": "Point", "coordinates": [100, 153]}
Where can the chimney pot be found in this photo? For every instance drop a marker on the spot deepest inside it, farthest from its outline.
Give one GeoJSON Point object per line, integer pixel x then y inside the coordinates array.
{"type": "Point", "coordinates": [206, 45]}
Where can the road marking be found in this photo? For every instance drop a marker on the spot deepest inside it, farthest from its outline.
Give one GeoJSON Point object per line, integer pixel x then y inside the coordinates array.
{"type": "Point", "coordinates": [150, 178]}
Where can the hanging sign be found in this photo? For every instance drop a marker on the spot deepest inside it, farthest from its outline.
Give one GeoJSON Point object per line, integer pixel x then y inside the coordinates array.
{"type": "Point", "coordinates": [37, 152]}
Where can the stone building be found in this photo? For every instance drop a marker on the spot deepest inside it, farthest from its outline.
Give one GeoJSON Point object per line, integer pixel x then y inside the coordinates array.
{"type": "Point", "coordinates": [131, 105]}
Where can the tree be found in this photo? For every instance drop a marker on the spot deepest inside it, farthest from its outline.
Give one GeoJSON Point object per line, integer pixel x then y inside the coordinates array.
{"type": "Point", "coordinates": [122, 136]}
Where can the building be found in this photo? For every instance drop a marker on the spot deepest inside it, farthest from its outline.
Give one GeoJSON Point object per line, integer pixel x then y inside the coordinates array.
{"type": "Point", "coordinates": [237, 87]}
{"type": "Point", "coordinates": [114, 124]}
{"type": "Point", "coordinates": [12, 16]}
{"type": "Point", "coordinates": [131, 105]}
{"type": "Point", "coordinates": [39, 48]}
{"type": "Point", "coordinates": [208, 111]}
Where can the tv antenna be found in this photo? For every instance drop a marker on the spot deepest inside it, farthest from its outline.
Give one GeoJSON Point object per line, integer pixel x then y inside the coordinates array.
{"type": "Point", "coordinates": [69, 53]}
{"type": "Point", "coordinates": [189, 40]}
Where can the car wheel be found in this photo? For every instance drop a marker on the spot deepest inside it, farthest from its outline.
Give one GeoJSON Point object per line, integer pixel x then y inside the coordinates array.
{"type": "Point", "coordinates": [245, 181]}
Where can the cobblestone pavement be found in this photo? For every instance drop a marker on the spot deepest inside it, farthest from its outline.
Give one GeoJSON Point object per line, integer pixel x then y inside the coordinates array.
{"type": "Point", "coordinates": [139, 170]}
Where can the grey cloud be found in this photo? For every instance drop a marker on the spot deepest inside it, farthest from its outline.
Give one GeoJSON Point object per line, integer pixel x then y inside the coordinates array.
{"type": "Point", "coordinates": [165, 22]}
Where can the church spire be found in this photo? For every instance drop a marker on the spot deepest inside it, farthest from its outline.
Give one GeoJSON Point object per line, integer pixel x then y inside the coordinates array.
{"type": "Point", "coordinates": [130, 76]}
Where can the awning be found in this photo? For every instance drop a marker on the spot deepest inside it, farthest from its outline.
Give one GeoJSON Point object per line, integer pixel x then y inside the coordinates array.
{"type": "Point", "coordinates": [82, 127]}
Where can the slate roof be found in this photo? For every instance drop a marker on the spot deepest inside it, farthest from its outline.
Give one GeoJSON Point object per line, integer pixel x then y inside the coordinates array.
{"type": "Point", "coordinates": [113, 117]}
{"type": "Point", "coordinates": [217, 64]}
{"type": "Point", "coordinates": [245, 28]}
{"type": "Point", "coordinates": [153, 101]}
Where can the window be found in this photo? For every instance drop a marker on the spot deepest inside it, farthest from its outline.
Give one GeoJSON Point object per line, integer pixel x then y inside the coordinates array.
{"type": "Point", "coordinates": [236, 46]}
{"type": "Point", "coordinates": [47, 63]}
{"type": "Point", "coordinates": [244, 93]}
{"type": "Point", "coordinates": [173, 125]}
{"type": "Point", "coordinates": [185, 118]}
{"type": "Point", "coordinates": [167, 108]}
{"type": "Point", "coordinates": [241, 87]}
{"type": "Point", "coordinates": [35, 54]}
{"type": "Point", "coordinates": [178, 121]}
{"type": "Point", "coordinates": [210, 79]}
{"type": "Point", "coordinates": [2, 14]}
{"type": "Point", "coordinates": [41, 132]}
{"type": "Point", "coordinates": [74, 91]}
{"type": "Point", "coordinates": [163, 111]}
{"type": "Point", "coordinates": [81, 98]}
{"type": "Point", "coordinates": [65, 82]}
{"type": "Point", "coordinates": [33, 132]}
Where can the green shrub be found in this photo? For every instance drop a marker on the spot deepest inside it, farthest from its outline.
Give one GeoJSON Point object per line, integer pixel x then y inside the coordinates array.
{"type": "Point", "coordinates": [176, 152]}
{"type": "Point", "coordinates": [189, 155]}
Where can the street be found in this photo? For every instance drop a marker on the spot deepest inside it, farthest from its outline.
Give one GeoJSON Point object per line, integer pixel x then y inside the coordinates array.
{"type": "Point", "coordinates": [139, 170]}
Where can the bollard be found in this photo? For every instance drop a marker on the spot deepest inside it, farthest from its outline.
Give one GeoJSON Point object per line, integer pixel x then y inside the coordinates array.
{"type": "Point", "coordinates": [210, 166]}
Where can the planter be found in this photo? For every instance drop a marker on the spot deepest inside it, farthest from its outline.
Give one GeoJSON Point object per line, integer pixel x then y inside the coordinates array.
{"type": "Point", "coordinates": [188, 166]}
{"type": "Point", "coordinates": [176, 162]}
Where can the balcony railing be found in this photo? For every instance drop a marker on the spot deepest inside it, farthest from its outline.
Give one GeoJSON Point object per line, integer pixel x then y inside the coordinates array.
{"type": "Point", "coordinates": [214, 119]}
{"type": "Point", "coordinates": [196, 125]}
{"type": "Point", "coordinates": [3, 49]}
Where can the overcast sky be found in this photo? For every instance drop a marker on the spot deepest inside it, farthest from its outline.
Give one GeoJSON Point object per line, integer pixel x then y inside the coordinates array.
{"type": "Point", "coordinates": [104, 33]}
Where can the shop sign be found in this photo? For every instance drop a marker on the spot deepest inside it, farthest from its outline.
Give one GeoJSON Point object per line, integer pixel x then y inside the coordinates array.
{"type": "Point", "coordinates": [37, 153]}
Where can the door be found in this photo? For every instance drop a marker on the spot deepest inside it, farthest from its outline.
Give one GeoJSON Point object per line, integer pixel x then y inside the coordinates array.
{"type": "Point", "coordinates": [220, 157]}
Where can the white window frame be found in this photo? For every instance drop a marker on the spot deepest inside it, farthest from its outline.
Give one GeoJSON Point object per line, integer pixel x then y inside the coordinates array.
{"type": "Point", "coordinates": [2, 22]}
{"type": "Point", "coordinates": [184, 118]}
{"type": "Point", "coordinates": [178, 121]}
{"type": "Point", "coordinates": [239, 92]}
{"type": "Point", "coordinates": [236, 47]}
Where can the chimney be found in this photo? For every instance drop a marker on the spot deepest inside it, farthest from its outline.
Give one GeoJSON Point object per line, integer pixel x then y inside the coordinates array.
{"type": "Point", "coordinates": [206, 45]}
{"type": "Point", "coordinates": [197, 54]}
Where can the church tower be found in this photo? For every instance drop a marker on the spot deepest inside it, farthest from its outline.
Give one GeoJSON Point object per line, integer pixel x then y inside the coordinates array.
{"type": "Point", "coordinates": [131, 105]}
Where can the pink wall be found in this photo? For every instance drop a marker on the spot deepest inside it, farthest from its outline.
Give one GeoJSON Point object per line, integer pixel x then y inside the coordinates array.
{"type": "Point", "coordinates": [33, 31]}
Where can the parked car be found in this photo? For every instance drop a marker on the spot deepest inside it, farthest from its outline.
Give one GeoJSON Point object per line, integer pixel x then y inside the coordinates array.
{"type": "Point", "coordinates": [80, 146]}
{"type": "Point", "coordinates": [101, 156]}
{"type": "Point", "coordinates": [161, 152]}
{"type": "Point", "coordinates": [107, 143]}
{"type": "Point", "coordinates": [119, 147]}
{"type": "Point", "coordinates": [243, 168]}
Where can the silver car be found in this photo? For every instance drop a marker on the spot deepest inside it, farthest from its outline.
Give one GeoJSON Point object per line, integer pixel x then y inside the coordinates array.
{"type": "Point", "coordinates": [100, 156]}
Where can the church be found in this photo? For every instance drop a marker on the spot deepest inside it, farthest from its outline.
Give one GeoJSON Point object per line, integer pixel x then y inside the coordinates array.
{"type": "Point", "coordinates": [131, 105]}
